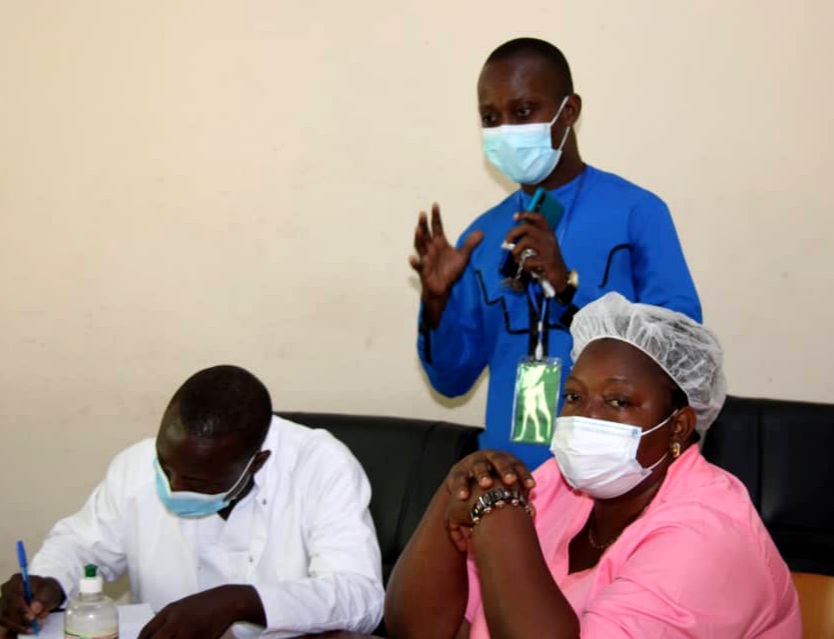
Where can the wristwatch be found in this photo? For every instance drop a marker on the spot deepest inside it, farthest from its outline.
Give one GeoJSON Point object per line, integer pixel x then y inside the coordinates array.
{"type": "Point", "coordinates": [566, 296]}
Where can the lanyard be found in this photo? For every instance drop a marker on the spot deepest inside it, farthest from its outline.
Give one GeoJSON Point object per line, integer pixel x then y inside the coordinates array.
{"type": "Point", "coordinates": [541, 311]}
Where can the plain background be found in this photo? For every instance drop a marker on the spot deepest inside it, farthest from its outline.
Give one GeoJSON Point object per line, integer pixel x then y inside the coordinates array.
{"type": "Point", "coordinates": [190, 183]}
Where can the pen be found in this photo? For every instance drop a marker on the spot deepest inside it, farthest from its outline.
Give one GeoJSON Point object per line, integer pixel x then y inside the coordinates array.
{"type": "Point", "coordinates": [27, 587]}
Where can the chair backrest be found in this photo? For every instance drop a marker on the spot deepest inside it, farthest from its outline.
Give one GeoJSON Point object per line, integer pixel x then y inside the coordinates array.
{"type": "Point", "coordinates": [816, 598]}
{"type": "Point", "coordinates": [405, 460]}
{"type": "Point", "coordinates": [782, 451]}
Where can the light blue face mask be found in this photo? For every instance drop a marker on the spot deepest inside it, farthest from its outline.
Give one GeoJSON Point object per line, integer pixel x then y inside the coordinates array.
{"type": "Point", "coordinates": [524, 152]}
{"type": "Point", "coordinates": [191, 505]}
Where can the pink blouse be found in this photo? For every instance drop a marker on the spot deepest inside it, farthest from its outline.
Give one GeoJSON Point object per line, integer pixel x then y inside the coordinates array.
{"type": "Point", "coordinates": [698, 562]}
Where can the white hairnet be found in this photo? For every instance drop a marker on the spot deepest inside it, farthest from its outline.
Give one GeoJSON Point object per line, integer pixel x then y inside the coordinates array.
{"type": "Point", "coordinates": [688, 351]}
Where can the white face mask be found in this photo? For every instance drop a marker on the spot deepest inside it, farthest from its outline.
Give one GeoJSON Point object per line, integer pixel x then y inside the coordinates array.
{"type": "Point", "coordinates": [524, 152]}
{"type": "Point", "coordinates": [599, 457]}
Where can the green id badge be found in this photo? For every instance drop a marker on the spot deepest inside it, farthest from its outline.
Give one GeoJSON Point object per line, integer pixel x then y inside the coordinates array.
{"type": "Point", "coordinates": [535, 400]}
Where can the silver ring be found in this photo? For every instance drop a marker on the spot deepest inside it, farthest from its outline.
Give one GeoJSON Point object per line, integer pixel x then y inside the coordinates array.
{"type": "Point", "coordinates": [526, 254]}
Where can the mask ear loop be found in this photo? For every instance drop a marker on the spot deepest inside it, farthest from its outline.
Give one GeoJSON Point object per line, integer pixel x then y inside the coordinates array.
{"type": "Point", "coordinates": [661, 424]}
{"type": "Point", "coordinates": [235, 490]}
{"type": "Point", "coordinates": [559, 110]}
{"type": "Point", "coordinates": [556, 117]}
{"type": "Point", "coordinates": [666, 454]}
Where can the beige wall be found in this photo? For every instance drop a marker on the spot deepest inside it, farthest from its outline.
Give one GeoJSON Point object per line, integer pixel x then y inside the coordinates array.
{"type": "Point", "coordinates": [188, 183]}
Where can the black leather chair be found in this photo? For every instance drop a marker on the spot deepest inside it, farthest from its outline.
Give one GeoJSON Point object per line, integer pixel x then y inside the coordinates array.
{"type": "Point", "coordinates": [783, 451]}
{"type": "Point", "coordinates": [405, 460]}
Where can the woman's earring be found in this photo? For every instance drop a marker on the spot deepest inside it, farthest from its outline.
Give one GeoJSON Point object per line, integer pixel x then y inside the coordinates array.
{"type": "Point", "coordinates": [675, 448]}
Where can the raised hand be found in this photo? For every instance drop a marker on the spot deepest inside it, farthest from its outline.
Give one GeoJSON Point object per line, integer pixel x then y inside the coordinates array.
{"type": "Point", "coordinates": [438, 263]}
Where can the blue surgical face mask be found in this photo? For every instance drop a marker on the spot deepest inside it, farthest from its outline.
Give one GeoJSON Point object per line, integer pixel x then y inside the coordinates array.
{"type": "Point", "coordinates": [191, 505]}
{"type": "Point", "coordinates": [524, 152]}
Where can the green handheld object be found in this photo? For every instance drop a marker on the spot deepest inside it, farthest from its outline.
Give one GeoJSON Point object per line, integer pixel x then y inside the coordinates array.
{"type": "Point", "coordinates": [549, 207]}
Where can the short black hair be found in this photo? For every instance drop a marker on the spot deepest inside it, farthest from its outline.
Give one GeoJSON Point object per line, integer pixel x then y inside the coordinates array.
{"type": "Point", "coordinates": [224, 400]}
{"type": "Point", "coordinates": [536, 48]}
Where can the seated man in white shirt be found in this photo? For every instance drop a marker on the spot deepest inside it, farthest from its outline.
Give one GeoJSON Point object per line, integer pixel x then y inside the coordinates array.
{"type": "Point", "coordinates": [232, 517]}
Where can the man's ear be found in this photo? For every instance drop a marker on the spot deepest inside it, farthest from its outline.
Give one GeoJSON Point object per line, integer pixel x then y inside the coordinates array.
{"type": "Point", "coordinates": [573, 107]}
{"type": "Point", "coordinates": [260, 460]}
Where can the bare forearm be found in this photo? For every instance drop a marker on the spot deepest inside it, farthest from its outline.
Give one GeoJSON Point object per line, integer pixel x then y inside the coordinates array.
{"type": "Point", "coordinates": [433, 309]}
{"type": "Point", "coordinates": [519, 595]}
{"type": "Point", "coordinates": [428, 589]}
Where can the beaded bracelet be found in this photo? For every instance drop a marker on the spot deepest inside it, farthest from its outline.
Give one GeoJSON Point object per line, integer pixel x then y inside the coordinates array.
{"type": "Point", "coordinates": [496, 498]}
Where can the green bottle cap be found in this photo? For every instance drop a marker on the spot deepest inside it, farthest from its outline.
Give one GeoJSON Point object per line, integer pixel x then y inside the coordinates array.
{"type": "Point", "coordinates": [90, 571]}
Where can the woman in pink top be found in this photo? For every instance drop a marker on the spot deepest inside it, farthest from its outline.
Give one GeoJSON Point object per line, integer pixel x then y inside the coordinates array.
{"type": "Point", "coordinates": [634, 533]}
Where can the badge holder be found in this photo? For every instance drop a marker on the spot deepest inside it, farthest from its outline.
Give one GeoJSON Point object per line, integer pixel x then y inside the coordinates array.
{"type": "Point", "coordinates": [535, 400]}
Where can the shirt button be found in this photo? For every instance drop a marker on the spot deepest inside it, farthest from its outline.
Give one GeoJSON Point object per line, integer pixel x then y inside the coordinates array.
{"type": "Point", "coordinates": [264, 502]}
{"type": "Point", "coordinates": [251, 559]}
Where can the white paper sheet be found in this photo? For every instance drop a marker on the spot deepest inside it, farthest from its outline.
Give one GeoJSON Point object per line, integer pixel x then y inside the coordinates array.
{"type": "Point", "coordinates": [132, 619]}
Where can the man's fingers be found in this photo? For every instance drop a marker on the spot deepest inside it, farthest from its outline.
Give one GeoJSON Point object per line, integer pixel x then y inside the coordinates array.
{"type": "Point", "coordinates": [13, 587]}
{"type": "Point", "coordinates": [423, 261]}
{"type": "Point", "coordinates": [15, 614]}
{"type": "Point", "coordinates": [533, 219]}
{"type": "Point", "coordinates": [516, 233]}
{"type": "Point", "coordinates": [436, 222]}
{"type": "Point", "coordinates": [472, 240]}
{"type": "Point", "coordinates": [15, 625]}
{"type": "Point", "coordinates": [525, 244]}
{"type": "Point", "coordinates": [535, 264]}
{"type": "Point", "coordinates": [421, 234]}
{"type": "Point", "coordinates": [47, 594]}
{"type": "Point", "coordinates": [535, 229]}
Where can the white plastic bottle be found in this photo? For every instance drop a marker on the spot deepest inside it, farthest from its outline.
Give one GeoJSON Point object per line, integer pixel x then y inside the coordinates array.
{"type": "Point", "coordinates": [91, 615]}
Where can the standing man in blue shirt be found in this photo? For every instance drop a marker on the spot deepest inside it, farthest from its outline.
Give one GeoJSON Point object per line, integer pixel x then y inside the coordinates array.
{"type": "Point", "coordinates": [611, 236]}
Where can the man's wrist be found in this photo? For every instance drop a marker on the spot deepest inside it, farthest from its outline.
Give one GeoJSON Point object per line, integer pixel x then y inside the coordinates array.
{"type": "Point", "coordinates": [570, 284]}
{"type": "Point", "coordinates": [244, 604]}
{"type": "Point", "coordinates": [433, 307]}
{"type": "Point", "coordinates": [557, 275]}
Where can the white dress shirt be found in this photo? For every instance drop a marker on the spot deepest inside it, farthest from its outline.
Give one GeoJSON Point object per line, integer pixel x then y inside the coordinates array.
{"type": "Point", "coordinates": [303, 538]}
